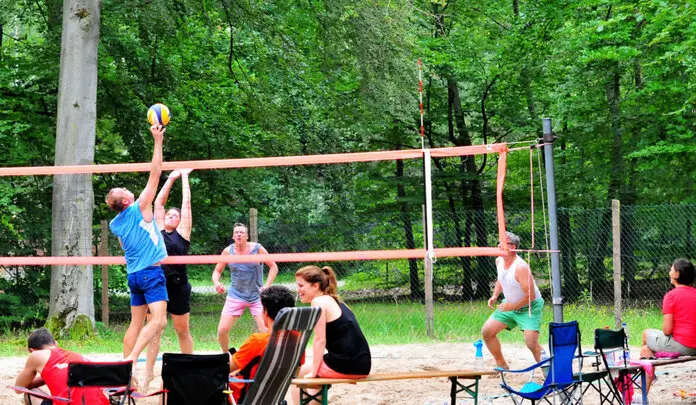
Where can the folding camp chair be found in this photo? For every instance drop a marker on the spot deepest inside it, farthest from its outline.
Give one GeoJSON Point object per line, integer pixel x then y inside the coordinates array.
{"type": "Point", "coordinates": [95, 375]}
{"type": "Point", "coordinates": [564, 344]}
{"type": "Point", "coordinates": [194, 379]}
{"type": "Point", "coordinates": [291, 330]}
{"type": "Point", "coordinates": [606, 342]}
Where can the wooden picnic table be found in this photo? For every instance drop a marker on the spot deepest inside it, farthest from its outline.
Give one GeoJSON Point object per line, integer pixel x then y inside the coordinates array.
{"type": "Point", "coordinates": [323, 384]}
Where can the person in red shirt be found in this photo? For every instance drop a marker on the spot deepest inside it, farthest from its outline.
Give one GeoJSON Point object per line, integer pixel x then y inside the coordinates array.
{"type": "Point", "coordinates": [678, 334]}
{"type": "Point", "coordinates": [51, 363]}
{"type": "Point", "coordinates": [245, 361]}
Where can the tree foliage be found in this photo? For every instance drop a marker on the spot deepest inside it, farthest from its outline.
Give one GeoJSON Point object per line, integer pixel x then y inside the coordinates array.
{"type": "Point", "coordinates": [250, 78]}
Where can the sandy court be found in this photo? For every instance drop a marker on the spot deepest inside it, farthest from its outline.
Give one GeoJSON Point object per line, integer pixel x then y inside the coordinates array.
{"type": "Point", "coordinates": [420, 357]}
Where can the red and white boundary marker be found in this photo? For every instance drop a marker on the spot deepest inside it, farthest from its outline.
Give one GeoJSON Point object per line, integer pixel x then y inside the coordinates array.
{"type": "Point", "coordinates": [420, 100]}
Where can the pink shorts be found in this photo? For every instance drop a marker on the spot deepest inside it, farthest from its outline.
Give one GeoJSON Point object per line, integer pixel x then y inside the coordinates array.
{"type": "Point", "coordinates": [235, 307]}
{"type": "Point", "coordinates": [326, 372]}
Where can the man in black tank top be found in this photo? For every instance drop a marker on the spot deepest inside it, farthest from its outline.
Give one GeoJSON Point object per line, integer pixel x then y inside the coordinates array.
{"type": "Point", "coordinates": [176, 231]}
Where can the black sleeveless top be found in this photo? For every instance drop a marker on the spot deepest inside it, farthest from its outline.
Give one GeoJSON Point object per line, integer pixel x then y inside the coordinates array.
{"type": "Point", "coordinates": [348, 351]}
{"type": "Point", "coordinates": [176, 246]}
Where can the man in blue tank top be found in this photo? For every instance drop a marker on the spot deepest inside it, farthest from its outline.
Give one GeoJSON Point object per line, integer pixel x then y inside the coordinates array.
{"type": "Point", "coordinates": [144, 250]}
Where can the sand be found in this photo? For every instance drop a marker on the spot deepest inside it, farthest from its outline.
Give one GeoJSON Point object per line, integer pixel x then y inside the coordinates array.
{"type": "Point", "coordinates": [421, 357]}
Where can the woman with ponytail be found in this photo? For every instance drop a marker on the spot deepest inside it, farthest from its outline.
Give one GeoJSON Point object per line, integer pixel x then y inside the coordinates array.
{"type": "Point", "coordinates": [337, 331]}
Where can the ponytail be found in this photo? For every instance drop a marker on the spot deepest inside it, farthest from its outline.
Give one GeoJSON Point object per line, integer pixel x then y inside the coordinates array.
{"type": "Point", "coordinates": [332, 285]}
{"type": "Point", "coordinates": [325, 277]}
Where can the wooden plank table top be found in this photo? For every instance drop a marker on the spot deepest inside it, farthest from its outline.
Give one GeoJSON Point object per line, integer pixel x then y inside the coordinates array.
{"type": "Point", "coordinates": [664, 362]}
{"type": "Point", "coordinates": [313, 382]}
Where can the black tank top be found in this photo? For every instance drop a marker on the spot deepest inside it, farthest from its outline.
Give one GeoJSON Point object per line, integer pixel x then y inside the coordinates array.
{"type": "Point", "coordinates": [176, 246]}
{"type": "Point", "coordinates": [348, 351]}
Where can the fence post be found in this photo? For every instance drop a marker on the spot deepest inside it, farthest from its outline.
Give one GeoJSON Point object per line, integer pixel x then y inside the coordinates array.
{"type": "Point", "coordinates": [104, 251]}
{"type": "Point", "coordinates": [616, 259]}
{"type": "Point", "coordinates": [254, 224]}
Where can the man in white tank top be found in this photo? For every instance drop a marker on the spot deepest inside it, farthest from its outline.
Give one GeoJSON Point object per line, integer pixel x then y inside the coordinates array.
{"type": "Point", "coordinates": [521, 307]}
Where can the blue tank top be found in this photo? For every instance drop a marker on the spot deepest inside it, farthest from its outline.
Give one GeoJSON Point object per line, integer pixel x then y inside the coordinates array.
{"type": "Point", "coordinates": [247, 278]}
{"type": "Point", "coordinates": [142, 241]}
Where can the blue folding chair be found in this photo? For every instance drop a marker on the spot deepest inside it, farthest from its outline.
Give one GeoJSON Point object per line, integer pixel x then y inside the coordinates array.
{"type": "Point", "coordinates": [564, 345]}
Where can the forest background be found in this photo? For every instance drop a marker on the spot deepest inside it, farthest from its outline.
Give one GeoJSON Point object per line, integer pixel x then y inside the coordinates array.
{"type": "Point", "coordinates": [248, 78]}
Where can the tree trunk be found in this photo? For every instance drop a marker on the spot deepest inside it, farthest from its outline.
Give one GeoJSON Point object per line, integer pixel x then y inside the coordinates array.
{"type": "Point", "coordinates": [628, 194]}
{"type": "Point", "coordinates": [597, 272]}
{"type": "Point", "coordinates": [72, 290]}
{"type": "Point", "coordinates": [526, 82]}
{"type": "Point", "coordinates": [416, 292]}
{"type": "Point", "coordinates": [471, 187]}
{"type": "Point", "coordinates": [612, 89]}
{"type": "Point", "coordinates": [621, 185]}
{"type": "Point", "coordinates": [571, 283]}
{"type": "Point", "coordinates": [53, 14]}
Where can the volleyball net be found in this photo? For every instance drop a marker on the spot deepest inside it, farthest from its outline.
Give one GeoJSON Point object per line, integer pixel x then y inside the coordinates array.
{"type": "Point", "coordinates": [43, 260]}
{"type": "Point", "coordinates": [370, 248]}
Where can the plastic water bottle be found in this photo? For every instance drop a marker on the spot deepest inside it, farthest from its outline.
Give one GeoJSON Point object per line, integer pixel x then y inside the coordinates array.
{"type": "Point", "coordinates": [610, 359]}
{"type": "Point", "coordinates": [478, 360]}
{"type": "Point", "coordinates": [627, 351]}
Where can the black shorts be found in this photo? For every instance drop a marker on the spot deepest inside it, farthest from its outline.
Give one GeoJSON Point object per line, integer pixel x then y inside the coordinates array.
{"type": "Point", "coordinates": [179, 295]}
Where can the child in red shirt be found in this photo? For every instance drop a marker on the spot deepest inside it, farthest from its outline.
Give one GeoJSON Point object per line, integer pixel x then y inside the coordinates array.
{"type": "Point", "coordinates": [51, 362]}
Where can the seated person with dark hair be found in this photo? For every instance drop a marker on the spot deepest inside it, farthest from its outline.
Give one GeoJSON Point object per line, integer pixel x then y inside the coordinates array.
{"type": "Point", "coordinates": [246, 360]}
{"type": "Point", "coordinates": [51, 362]}
{"type": "Point", "coordinates": [678, 334]}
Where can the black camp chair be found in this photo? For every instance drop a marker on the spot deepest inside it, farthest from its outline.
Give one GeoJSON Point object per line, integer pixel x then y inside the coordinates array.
{"type": "Point", "coordinates": [94, 375]}
{"type": "Point", "coordinates": [193, 379]}
{"type": "Point", "coordinates": [606, 342]}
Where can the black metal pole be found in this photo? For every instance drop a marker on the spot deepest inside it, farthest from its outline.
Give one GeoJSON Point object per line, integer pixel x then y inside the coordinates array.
{"type": "Point", "coordinates": [557, 297]}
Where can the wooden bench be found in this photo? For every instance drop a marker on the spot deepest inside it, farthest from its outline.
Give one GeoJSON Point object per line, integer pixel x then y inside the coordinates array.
{"type": "Point", "coordinates": [639, 372]}
{"type": "Point", "coordinates": [665, 362]}
{"type": "Point", "coordinates": [323, 384]}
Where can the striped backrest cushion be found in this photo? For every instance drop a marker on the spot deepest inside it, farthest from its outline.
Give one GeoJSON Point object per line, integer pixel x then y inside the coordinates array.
{"type": "Point", "coordinates": [291, 331]}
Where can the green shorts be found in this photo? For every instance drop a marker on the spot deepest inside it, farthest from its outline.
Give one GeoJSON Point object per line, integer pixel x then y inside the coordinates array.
{"type": "Point", "coordinates": [520, 317]}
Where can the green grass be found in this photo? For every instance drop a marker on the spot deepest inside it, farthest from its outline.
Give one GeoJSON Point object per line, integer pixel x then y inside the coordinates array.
{"type": "Point", "coordinates": [461, 322]}
{"type": "Point", "coordinates": [382, 323]}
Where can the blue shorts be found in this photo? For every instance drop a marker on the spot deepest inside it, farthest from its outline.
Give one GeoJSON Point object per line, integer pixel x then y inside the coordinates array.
{"type": "Point", "coordinates": [147, 286]}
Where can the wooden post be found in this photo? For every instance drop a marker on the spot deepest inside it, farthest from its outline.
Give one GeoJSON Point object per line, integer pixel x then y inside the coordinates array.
{"type": "Point", "coordinates": [616, 259]}
{"type": "Point", "coordinates": [104, 251]}
{"type": "Point", "coordinates": [253, 224]}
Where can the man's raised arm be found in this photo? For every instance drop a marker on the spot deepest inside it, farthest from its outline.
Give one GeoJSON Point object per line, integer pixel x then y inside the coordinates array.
{"type": "Point", "coordinates": [148, 194]}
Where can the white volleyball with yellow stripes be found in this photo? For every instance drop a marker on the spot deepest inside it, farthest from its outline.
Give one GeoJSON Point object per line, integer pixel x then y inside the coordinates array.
{"type": "Point", "coordinates": [158, 114]}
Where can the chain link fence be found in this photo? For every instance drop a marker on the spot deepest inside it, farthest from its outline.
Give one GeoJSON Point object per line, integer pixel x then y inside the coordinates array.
{"type": "Point", "coordinates": [652, 237]}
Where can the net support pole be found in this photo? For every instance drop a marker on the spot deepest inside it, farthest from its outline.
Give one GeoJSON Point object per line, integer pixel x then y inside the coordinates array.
{"type": "Point", "coordinates": [429, 253]}
{"type": "Point", "coordinates": [556, 296]}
